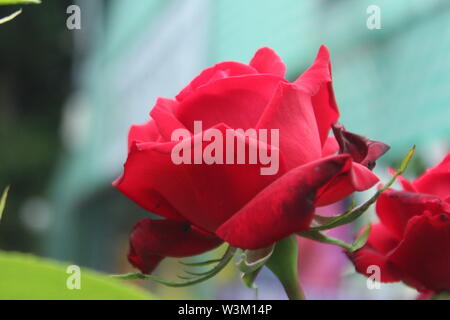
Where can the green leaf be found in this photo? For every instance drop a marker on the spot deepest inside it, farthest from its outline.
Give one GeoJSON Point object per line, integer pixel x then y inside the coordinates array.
{"type": "Point", "coordinates": [362, 239]}
{"type": "Point", "coordinates": [283, 263]}
{"type": "Point", "coordinates": [352, 215]}
{"type": "Point", "coordinates": [32, 278]}
{"type": "Point", "coordinates": [252, 260]}
{"type": "Point", "coordinates": [10, 2]}
{"type": "Point", "coordinates": [226, 258]}
{"type": "Point", "coordinates": [3, 201]}
{"type": "Point", "coordinates": [10, 17]}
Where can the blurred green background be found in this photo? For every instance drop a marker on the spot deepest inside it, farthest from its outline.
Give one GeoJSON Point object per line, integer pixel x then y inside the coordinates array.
{"type": "Point", "coordinates": [68, 97]}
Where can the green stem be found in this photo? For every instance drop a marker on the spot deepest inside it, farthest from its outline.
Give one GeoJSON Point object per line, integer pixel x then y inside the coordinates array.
{"type": "Point", "coordinates": [284, 264]}
{"type": "Point", "coordinates": [293, 290]}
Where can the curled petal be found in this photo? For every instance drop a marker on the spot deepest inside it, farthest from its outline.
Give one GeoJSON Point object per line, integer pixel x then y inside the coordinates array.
{"type": "Point", "coordinates": [361, 149]}
{"type": "Point", "coordinates": [147, 132]}
{"type": "Point", "coordinates": [267, 60]}
{"type": "Point", "coordinates": [283, 208]}
{"type": "Point", "coordinates": [436, 180]}
{"type": "Point", "coordinates": [216, 72]}
{"type": "Point", "coordinates": [317, 82]}
{"type": "Point", "coordinates": [163, 113]}
{"type": "Point", "coordinates": [356, 178]}
{"type": "Point", "coordinates": [152, 240]}
{"type": "Point", "coordinates": [290, 111]}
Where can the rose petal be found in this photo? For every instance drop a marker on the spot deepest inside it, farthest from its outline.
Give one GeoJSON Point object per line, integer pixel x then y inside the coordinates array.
{"type": "Point", "coordinates": [396, 208]}
{"type": "Point", "coordinates": [147, 172]}
{"type": "Point", "coordinates": [267, 60]}
{"type": "Point", "coordinates": [164, 117]}
{"type": "Point", "coordinates": [330, 147]}
{"type": "Point", "coordinates": [317, 82]}
{"type": "Point", "coordinates": [283, 208]}
{"type": "Point", "coordinates": [147, 132]}
{"type": "Point", "coordinates": [237, 102]}
{"type": "Point", "coordinates": [216, 72]}
{"type": "Point", "coordinates": [436, 180]}
{"type": "Point", "coordinates": [291, 112]}
{"type": "Point", "coordinates": [356, 178]}
{"type": "Point", "coordinates": [223, 189]}
{"type": "Point", "coordinates": [152, 240]}
{"type": "Point", "coordinates": [361, 149]}
{"type": "Point", "coordinates": [423, 254]}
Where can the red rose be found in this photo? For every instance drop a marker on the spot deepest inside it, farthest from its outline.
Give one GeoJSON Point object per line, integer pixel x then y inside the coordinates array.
{"type": "Point", "coordinates": [204, 205]}
{"type": "Point", "coordinates": [412, 241]}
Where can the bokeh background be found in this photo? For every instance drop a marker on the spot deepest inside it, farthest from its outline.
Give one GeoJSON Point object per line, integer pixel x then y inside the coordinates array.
{"type": "Point", "coordinates": [68, 97]}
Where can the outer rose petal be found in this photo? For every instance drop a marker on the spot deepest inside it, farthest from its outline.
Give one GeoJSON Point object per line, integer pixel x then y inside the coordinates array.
{"type": "Point", "coordinates": [291, 112]}
{"type": "Point", "coordinates": [152, 240]}
{"type": "Point", "coordinates": [206, 195]}
{"type": "Point", "coordinates": [381, 241]}
{"type": "Point", "coordinates": [147, 132]}
{"type": "Point", "coordinates": [147, 172]}
{"type": "Point", "coordinates": [222, 190]}
{"type": "Point", "coordinates": [357, 178]}
{"type": "Point", "coordinates": [423, 255]}
{"type": "Point", "coordinates": [266, 60]}
{"type": "Point", "coordinates": [396, 208]}
{"type": "Point", "coordinates": [317, 82]}
{"type": "Point", "coordinates": [219, 71]}
{"type": "Point", "coordinates": [436, 180]}
{"type": "Point", "coordinates": [237, 101]}
{"type": "Point", "coordinates": [283, 208]}
{"type": "Point", "coordinates": [163, 114]}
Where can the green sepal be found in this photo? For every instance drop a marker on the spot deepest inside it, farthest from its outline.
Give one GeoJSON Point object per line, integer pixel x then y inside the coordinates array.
{"type": "Point", "coordinates": [252, 260]}
{"type": "Point", "coordinates": [226, 258]}
{"type": "Point", "coordinates": [354, 213]}
{"type": "Point", "coordinates": [361, 239]}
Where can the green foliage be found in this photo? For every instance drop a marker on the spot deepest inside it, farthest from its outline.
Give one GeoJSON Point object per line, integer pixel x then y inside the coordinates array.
{"type": "Point", "coordinates": [10, 17]}
{"type": "Point", "coordinates": [28, 277]}
{"type": "Point", "coordinates": [3, 201]}
{"type": "Point", "coordinates": [16, 13]}
{"type": "Point", "coordinates": [8, 2]}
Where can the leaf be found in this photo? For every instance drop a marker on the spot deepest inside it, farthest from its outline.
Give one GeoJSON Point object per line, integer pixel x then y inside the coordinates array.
{"type": "Point", "coordinates": [11, 2]}
{"type": "Point", "coordinates": [226, 258]}
{"type": "Point", "coordinates": [252, 260]}
{"type": "Point", "coordinates": [362, 239]}
{"type": "Point", "coordinates": [3, 201]}
{"type": "Point", "coordinates": [354, 214]}
{"type": "Point", "coordinates": [10, 17]}
{"type": "Point", "coordinates": [27, 277]}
